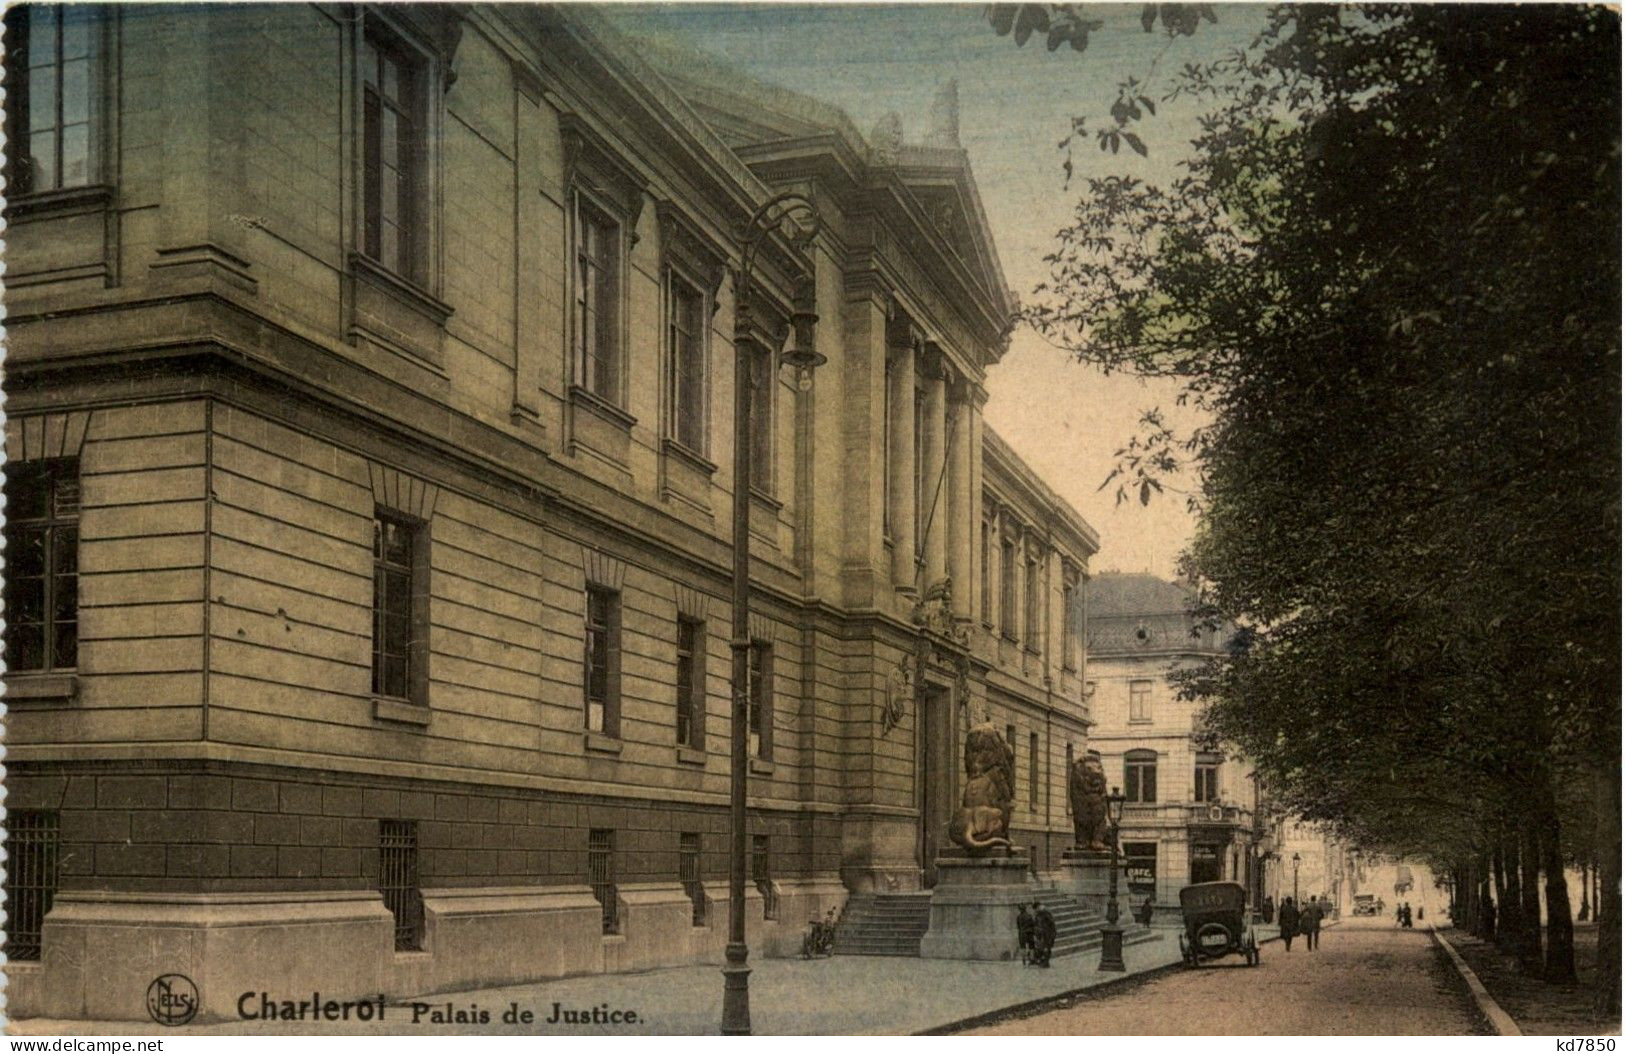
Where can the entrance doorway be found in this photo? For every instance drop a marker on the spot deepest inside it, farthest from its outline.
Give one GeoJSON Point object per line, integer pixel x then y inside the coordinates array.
{"type": "Point", "coordinates": [934, 776]}
{"type": "Point", "coordinates": [1205, 864]}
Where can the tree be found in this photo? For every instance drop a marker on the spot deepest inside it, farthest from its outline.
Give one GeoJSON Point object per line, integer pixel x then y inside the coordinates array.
{"type": "Point", "coordinates": [1390, 276]}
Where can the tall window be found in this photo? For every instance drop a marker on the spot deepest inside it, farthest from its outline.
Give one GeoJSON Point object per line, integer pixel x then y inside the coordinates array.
{"type": "Point", "coordinates": [398, 880]}
{"type": "Point", "coordinates": [691, 683]}
{"type": "Point", "coordinates": [393, 95]}
{"type": "Point", "coordinates": [42, 557]}
{"type": "Point", "coordinates": [1140, 775]}
{"type": "Point", "coordinates": [761, 873]}
{"type": "Point", "coordinates": [31, 877]}
{"type": "Point", "coordinates": [397, 640]}
{"type": "Point", "coordinates": [688, 872]}
{"type": "Point", "coordinates": [761, 700]}
{"type": "Point", "coordinates": [597, 302]}
{"type": "Point", "coordinates": [50, 95]}
{"type": "Point", "coordinates": [685, 327]}
{"type": "Point", "coordinates": [602, 661]}
{"type": "Point", "coordinates": [1007, 588]}
{"type": "Point", "coordinates": [1072, 620]}
{"type": "Point", "coordinates": [1034, 634]}
{"type": "Point", "coordinates": [1207, 777]}
{"type": "Point", "coordinates": [987, 573]}
{"type": "Point", "coordinates": [764, 375]}
{"type": "Point", "coordinates": [1032, 770]}
{"type": "Point", "coordinates": [1010, 740]}
{"type": "Point", "coordinates": [601, 876]}
{"type": "Point", "coordinates": [922, 473]}
{"type": "Point", "coordinates": [1139, 701]}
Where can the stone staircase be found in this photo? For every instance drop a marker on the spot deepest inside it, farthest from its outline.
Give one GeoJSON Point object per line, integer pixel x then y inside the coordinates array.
{"type": "Point", "coordinates": [883, 924]}
{"type": "Point", "coordinates": [893, 923]}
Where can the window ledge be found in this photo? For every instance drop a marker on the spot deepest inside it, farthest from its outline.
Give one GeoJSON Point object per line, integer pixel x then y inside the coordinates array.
{"type": "Point", "coordinates": [407, 292]}
{"type": "Point", "coordinates": [762, 497]}
{"type": "Point", "coordinates": [691, 756]}
{"type": "Point", "coordinates": [760, 767]}
{"type": "Point", "coordinates": [1141, 721]}
{"type": "Point", "coordinates": [400, 712]}
{"type": "Point", "coordinates": [598, 743]}
{"type": "Point", "coordinates": [415, 955]}
{"type": "Point", "coordinates": [66, 201]}
{"type": "Point", "coordinates": [686, 454]}
{"type": "Point", "coordinates": [46, 686]}
{"type": "Point", "coordinates": [602, 407]}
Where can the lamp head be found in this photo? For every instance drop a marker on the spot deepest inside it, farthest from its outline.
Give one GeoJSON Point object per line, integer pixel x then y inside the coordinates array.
{"type": "Point", "coordinates": [1114, 806]}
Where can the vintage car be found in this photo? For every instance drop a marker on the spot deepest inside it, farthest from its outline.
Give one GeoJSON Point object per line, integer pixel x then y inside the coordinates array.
{"type": "Point", "coordinates": [1365, 904]}
{"type": "Point", "coordinates": [1217, 923]}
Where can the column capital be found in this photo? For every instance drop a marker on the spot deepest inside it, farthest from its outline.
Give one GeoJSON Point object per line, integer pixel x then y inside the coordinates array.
{"type": "Point", "coordinates": [933, 364]}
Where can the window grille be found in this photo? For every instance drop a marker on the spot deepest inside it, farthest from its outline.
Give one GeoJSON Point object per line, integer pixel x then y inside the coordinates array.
{"type": "Point", "coordinates": [42, 564]}
{"type": "Point", "coordinates": [31, 877]}
{"type": "Point", "coordinates": [398, 880]}
{"type": "Point", "coordinates": [601, 876]}
{"type": "Point", "coordinates": [762, 875]}
{"type": "Point", "coordinates": [688, 865]}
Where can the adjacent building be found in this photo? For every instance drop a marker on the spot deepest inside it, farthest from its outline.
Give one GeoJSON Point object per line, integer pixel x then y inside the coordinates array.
{"type": "Point", "coordinates": [370, 380]}
{"type": "Point", "coordinates": [1191, 802]}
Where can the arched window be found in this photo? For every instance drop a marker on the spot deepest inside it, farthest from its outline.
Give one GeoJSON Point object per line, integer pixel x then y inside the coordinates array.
{"type": "Point", "coordinates": [1140, 776]}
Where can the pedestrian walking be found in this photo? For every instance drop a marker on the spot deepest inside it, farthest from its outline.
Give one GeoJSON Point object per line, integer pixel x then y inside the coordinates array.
{"type": "Point", "coordinates": [1289, 922]}
{"type": "Point", "coordinates": [1310, 924]}
{"type": "Point", "coordinates": [1043, 933]}
{"type": "Point", "coordinates": [1269, 910]}
{"type": "Point", "coordinates": [1024, 934]}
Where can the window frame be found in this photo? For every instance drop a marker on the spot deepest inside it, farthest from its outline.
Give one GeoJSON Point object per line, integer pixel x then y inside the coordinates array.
{"type": "Point", "coordinates": [1071, 618]}
{"type": "Point", "coordinates": [1007, 588]}
{"type": "Point", "coordinates": [1032, 618]}
{"type": "Point", "coordinates": [696, 438]}
{"type": "Point", "coordinates": [416, 79]}
{"type": "Point", "coordinates": [416, 654]}
{"type": "Point", "coordinates": [1139, 702]}
{"type": "Point", "coordinates": [1206, 770]}
{"type": "Point", "coordinates": [691, 682]}
{"type": "Point", "coordinates": [20, 91]}
{"type": "Point", "coordinates": [986, 573]}
{"type": "Point", "coordinates": [609, 636]}
{"type": "Point", "coordinates": [589, 212]}
{"type": "Point", "coordinates": [759, 713]}
{"type": "Point", "coordinates": [53, 474]}
{"type": "Point", "coordinates": [764, 381]}
{"type": "Point", "coordinates": [1033, 770]}
{"type": "Point", "coordinates": [1137, 788]}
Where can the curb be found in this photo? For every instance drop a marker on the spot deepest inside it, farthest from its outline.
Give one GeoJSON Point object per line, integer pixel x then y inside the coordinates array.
{"type": "Point", "coordinates": [1036, 1006]}
{"type": "Point", "coordinates": [1039, 1005]}
{"type": "Point", "coordinates": [1499, 1019]}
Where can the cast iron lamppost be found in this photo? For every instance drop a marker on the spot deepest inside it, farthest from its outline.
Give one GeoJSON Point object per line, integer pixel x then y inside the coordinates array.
{"type": "Point", "coordinates": [1295, 859]}
{"type": "Point", "coordinates": [1111, 934]}
{"type": "Point", "coordinates": [771, 216]}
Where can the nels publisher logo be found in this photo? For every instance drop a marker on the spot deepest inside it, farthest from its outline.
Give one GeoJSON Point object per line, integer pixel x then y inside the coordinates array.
{"type": "Point", "coordinates": [172, 999]}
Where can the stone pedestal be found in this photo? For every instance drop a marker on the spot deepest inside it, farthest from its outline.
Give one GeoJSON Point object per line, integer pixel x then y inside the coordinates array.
{"type": "Point", "coordinates": [1085, 874]}
{"type": "Point", "coordinates": [974, 905]}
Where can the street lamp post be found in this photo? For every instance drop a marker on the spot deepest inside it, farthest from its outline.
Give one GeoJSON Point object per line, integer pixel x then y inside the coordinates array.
{"type": "Point", "coordinates": [772, 215]}
{"type": "Point", "coordinates": [1295, 861]}
{"type": "Point", "coordinates": [1111, 934]}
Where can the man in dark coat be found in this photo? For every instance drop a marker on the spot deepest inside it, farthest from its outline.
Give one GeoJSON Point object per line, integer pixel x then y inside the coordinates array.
{"type": "Point", "coordinates": [1289, 922]}
{"type": "Point", "coordinates": [1269, 909]}
{"type": "Point", "coordinates": [1043, 934]}
{"type": "Point", "coordinates": [1310, 923]}
{"type": "Point", "coordinates": [1024, 933]}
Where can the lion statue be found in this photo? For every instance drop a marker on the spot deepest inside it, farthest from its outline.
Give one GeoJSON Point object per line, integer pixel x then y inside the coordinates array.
{"type": "Point", "coordinates": [982, 821]}
{"type": "Point", "coordinates": [1086, 789]}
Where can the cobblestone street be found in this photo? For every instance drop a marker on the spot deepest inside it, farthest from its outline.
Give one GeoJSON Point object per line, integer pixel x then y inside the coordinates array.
{"type": "Point", "coordinates": [1367, 978]}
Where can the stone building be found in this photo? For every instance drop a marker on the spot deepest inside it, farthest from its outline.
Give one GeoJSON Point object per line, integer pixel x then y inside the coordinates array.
{"type": "Point", "coordinates": [1189, 814]}
{"type": "Point", "coordinates": [369, 431]}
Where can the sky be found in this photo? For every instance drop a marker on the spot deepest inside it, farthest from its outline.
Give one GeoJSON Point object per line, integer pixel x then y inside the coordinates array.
{"type": "Point", "coordinates": [1066, 420]}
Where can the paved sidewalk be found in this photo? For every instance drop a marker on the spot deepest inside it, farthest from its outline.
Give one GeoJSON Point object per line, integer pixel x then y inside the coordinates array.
{"type": "Point", "coordinates": [846, 995]}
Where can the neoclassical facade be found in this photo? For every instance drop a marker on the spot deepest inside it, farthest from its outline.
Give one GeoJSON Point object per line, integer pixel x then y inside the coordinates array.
{"type": "Point", "coordinates": [1191, 803]}
{"type": "Point", "coordinates": [369, 485]}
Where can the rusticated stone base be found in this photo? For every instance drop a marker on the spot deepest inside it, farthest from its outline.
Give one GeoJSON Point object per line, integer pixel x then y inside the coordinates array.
{"type": "Point", "coordinates": [974, 906]}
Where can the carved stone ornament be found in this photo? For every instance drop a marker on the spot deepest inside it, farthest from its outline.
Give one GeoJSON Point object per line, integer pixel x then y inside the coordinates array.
{"type": "Point", "coordinates": [934, 610]}
{"type": "Point", "coordinates": [1086, 790]}
{"type": "Point", "coordinates": [981, 824]}
{"type": "Point", "coordinates": [899, 690]}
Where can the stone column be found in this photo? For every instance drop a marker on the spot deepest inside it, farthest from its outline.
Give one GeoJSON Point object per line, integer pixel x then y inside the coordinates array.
{"type": "Point", "coordinates": [964, 528]}
{"type": "Point", "coordinates": [973, 435]}
{"type": "Point", "coordinates": [933, 491]}
{"type": "Point", "coordinates": [900, 410]}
